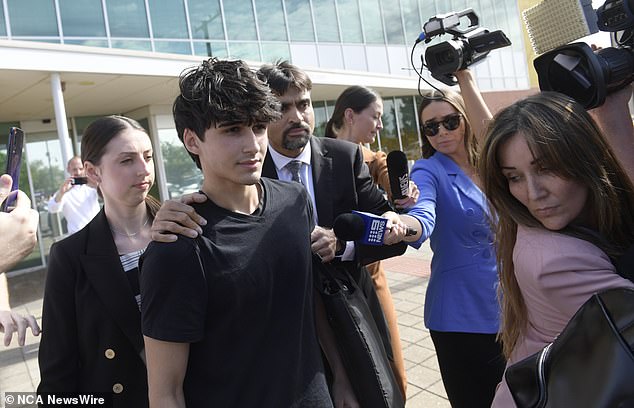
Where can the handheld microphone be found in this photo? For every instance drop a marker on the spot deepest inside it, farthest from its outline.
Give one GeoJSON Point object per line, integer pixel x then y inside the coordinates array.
{"type": "Point", "coordinates": [398, 172]}
{"type": "Point", "coordinates": [363, 227]}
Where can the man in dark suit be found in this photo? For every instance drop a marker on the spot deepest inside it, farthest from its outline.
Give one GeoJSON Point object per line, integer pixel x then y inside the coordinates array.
{"type": "Point", "coordinates": [332, 171]}
{"type": "Point", "coordinates": [335, 175]}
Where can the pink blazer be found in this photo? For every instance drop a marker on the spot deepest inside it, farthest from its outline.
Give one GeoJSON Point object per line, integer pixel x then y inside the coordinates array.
{"type": "Point", "coordinates": [556, 274]}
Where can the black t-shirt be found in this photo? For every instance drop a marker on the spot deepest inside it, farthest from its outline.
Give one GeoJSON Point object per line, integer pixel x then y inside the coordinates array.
{"type": "Point", "coordinates": [249, 316]}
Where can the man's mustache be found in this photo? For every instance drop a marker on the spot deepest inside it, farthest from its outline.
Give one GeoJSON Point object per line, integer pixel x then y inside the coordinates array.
{"type": "Point", "coordinates": [297, 126]}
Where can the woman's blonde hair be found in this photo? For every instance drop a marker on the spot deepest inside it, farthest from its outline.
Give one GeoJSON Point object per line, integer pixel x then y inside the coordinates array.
{"type": "Point", "coordinates": [455, 100]}
{"type": "Point", "coordinates": [566, 140]}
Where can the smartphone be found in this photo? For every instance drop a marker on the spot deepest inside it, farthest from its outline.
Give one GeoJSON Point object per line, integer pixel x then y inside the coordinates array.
{"type": "Point", "coordinates": [14, 160]}
{"type": "Point", "coordinates": [78, 180]}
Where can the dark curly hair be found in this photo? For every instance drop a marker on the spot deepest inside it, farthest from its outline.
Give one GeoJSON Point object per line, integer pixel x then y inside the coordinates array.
{"type": "Point", "coordinates": [219, 91]}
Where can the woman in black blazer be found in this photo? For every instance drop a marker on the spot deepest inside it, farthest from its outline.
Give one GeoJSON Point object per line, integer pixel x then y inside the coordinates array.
{"type": "Point", "coordinates": [91, 339]}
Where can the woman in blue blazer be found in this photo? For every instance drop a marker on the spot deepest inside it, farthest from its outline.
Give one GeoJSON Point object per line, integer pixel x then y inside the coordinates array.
{"type": "Point", "coordinates": [91, 320]}
{"type": "Point", "coordinates": [461, 307]}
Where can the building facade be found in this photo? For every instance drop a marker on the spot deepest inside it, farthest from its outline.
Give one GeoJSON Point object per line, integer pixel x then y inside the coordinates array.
{"type": "Point", "coordinates": [65, 62]}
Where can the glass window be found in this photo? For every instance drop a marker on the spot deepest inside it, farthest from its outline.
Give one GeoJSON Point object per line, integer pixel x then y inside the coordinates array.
{"type": "Point", "coordinates": [327, 27]}
{"type": "Point", "coordinates": [398, 59]}
{"type": "Point", "coordinates": [206, 19]}
{"type": "Point", "coordinates": [372, 24]}
{"type": "Point", "coordinates": [47, 174]}
{"type": "Point", "coordinates": [428, 9]}
{"type": "Point", "coordinates": [519, 61]}
{"type": "Point", "coordinates": [330, 56]}
{"type": "Point", "coordinates": [82, 122]}
{"type": "Point", "coordinates": [3, 27]}
{"type": "Point", "coordinates": [211, 49]}
{"type": "Point", "coordinates": [182, 174]}
{"type": "Point", "coordinates": [272, 52]}
{"type": "Point", "coordinates": [494, 61]}
{"type": "Point", "coordinates": [299, 20]}
{"type": "Point", "coordinates": [82, 18]}
{"type": "Point", "coordinates": [509, 83]}
{"type": "Point", "coordinates": [407, 126]}
{"type": "Point", "coordinates": [127, 18]}
{"type": "Point", "coordinates": [393, 23]}
{"type": "Point", "coordinates": [88, 43]}
{"type": "Point", "coordinates": [377, 59]}
{"type": "Point", "coordinates": [32, 18]}
{"type": "Point", "coordinates": [245, 51]}
{"type": "Point", "coordinates": [389, 134]}
{"type": "Point", "coordinates": [56, 41]}
{"type": "Point", "coordinates": [458, 5]}
{"type": "Point", "coordinates": [132, 45]}
{"type": "Point", "coordinates": [240, 20]}
{"type": "Point", "coordinates": [304, 55]}
{"type": "Point", "coordinates": [351, 31]}
{"type": "Point", "coordinates": [173, 47]}
{"type": "Point", "coordinates": [168, 19]}
{"type": "Point", "coordinates": [271, 20]}
{"type": "Point", "coordinates": [413, 26]}
{"type": "Point", "coordinates": [321, 117]}
{"type": "Point", "coordinates": [354, 57]}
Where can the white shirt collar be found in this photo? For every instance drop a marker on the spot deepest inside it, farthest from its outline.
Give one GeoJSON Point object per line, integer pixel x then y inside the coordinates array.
{"type": "Point", "coordinates": [281, 161]}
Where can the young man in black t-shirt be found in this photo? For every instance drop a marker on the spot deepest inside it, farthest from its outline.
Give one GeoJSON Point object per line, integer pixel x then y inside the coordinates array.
{"type": "Point", "coordinates": [228, 318]}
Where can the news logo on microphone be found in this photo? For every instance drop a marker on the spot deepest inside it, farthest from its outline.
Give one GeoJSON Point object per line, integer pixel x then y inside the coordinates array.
{"type": "Point", "coordinates": [375, 228]}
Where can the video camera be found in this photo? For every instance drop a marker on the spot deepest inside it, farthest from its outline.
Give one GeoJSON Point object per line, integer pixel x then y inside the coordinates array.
{"type": "Point", "coordinates": [467, 47]}
{"type": "Point", "coordinates": [586, 75]}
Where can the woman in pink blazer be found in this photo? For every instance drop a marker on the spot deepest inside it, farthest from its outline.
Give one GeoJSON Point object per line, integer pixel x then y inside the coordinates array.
{"type": "Point", "coordinates": [565, 215]}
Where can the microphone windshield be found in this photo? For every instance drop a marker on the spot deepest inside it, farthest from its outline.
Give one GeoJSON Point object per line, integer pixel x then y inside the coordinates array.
{"type": "Point", "coordinates": [553, 23]}
{"type": "Point", "coordinates": [349, 227]}
{"type": "Point", "coordinates": [398, 171]}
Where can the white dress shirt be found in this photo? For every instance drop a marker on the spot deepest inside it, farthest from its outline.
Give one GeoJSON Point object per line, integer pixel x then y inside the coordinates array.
{"type": "Point", "coordinates": [306, 175]}
{"type": "Point", "coordinates": [79, 206]}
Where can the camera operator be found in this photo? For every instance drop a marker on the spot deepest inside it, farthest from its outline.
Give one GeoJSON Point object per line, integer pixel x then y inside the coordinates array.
{"type": "Point", "coordinates": [76, 197]}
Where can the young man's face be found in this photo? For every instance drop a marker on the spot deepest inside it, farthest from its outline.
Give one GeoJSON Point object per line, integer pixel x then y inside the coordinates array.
{"type": "Point", "coordinates": [289, 134]}
{"type": "Point", "coordinates": [231, 154]}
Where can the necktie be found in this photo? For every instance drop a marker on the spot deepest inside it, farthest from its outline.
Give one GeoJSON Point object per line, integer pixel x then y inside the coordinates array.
{"type": "Point", "coordinates": [293, 166]}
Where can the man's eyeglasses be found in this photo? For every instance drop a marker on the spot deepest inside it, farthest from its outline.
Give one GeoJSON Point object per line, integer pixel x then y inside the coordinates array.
{"type": "Point", "coordinates": [449, 122]}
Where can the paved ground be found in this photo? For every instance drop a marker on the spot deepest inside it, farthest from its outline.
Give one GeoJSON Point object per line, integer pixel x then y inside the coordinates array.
{"type": "Point", "coordinates": [407, 277]}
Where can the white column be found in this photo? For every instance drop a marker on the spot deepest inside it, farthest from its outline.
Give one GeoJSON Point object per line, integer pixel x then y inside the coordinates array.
{"type": "Point", "coordinates": [60, 118]}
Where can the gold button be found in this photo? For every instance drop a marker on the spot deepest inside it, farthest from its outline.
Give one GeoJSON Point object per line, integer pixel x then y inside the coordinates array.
{"type": "Point", "coordinates": [117, 388]}
{"type": "Point", "coordinates": [109, 354]}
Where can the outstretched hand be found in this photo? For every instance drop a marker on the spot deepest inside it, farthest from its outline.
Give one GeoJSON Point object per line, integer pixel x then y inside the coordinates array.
{"type": "Point", "coordinates": [12, 322]}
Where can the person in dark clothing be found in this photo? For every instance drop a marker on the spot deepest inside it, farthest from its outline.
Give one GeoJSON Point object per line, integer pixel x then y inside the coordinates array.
{"type": "Point", "coordinates": [229, 317]}
{"type": "Point", "coordinates": [91, 321]}
{"type": "Point", "coordinates": [334, 175]}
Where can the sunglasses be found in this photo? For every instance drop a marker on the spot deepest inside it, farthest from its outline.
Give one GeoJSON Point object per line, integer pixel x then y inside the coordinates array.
{"type": "Point", "coordinates": [449, 122]}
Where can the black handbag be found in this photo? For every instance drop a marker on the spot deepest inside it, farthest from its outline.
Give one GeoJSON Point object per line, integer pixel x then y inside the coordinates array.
{"type": "Point", "coordinates": [591, 362]}
{"type": "Point", "coordinates": [359, 340]}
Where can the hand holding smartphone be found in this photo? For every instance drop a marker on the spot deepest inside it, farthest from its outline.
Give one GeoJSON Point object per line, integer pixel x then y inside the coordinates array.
{"type": "Point", "coordinates": [14, 160]}
{"type": "Point", "coordinates": [75, 181]}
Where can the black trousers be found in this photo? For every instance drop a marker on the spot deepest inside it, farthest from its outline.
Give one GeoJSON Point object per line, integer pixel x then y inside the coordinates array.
{"type": "Point", "coordinates": [471, 366]}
